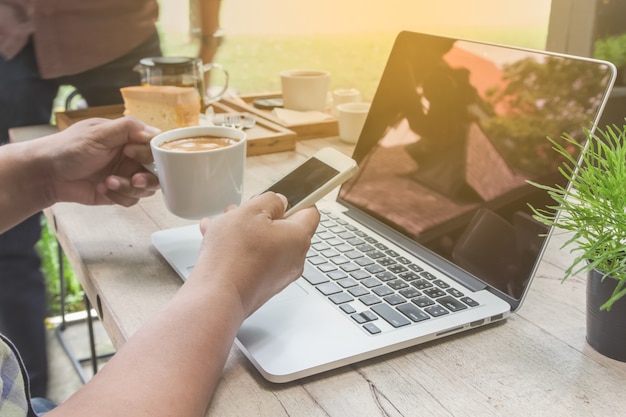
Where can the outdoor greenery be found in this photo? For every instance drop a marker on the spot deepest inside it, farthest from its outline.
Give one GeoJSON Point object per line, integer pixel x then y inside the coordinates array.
{"type": "Point", "coordinates": [48, 250]}
{"type": "Point", "coordinates": [357, 60]}
{"type": "Point", "coordinates": [612, 49]}
{"type": "Point", "coordinates": [594, 208]}
{"type": "Point", "coordinates": [254, 62]}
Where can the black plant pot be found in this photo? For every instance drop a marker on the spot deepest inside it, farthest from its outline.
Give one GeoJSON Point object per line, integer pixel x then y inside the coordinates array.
{"type": "Point", "coordinates": [606, 330]}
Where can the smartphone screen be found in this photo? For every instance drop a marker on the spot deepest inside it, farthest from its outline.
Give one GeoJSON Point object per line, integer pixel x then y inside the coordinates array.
{"type": "Point", "coordinates": [303, 180]}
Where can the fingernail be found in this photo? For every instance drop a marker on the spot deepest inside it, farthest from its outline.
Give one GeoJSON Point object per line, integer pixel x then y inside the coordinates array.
{"type": "Point", "coordinates": [285, 201]}
{"type": "Point", "coordinates": [139, 181]}
{"type": "Point", "coordinates": [113, 183]}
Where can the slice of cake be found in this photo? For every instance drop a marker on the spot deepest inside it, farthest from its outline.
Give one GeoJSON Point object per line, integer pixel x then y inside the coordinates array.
{"type": "Point", "coordinates": [166, 107]}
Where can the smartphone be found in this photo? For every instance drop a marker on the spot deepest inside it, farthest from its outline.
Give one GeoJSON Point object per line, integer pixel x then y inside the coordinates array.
{"type": "Point", "coordinates": [314, 178]}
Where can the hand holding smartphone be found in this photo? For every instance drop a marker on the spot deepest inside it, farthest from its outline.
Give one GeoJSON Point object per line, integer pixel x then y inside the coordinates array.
{"type": "Point", "coordinates": [314, 178]}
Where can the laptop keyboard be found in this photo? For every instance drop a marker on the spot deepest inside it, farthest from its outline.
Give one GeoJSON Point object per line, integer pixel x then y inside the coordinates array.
{"type": "Point", "coordinates": [370, 281]}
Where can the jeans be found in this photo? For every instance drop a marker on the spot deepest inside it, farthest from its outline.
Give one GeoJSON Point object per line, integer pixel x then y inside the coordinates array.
{"type": "Point", "coordinates": [26, 99]}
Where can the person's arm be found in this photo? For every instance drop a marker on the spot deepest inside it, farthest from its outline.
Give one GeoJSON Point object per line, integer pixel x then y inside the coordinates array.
{"type": "Point", "coordinates": [96, 161]}
{"type": "Point", "coordinates": [23, 185]}
{"type": "Point", "coordinates": [210, 36]}
{"type": "Point", "coordinates": [172, 365]}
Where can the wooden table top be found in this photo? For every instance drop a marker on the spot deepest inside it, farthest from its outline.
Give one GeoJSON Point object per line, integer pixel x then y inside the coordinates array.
{"type": "Point", "coordinates": [535, 362]}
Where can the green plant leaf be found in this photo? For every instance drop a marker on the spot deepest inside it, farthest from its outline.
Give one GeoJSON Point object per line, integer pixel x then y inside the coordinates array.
{"type": "Point", "coordinates": [47, 248]}
{"type": "Point", "coordinates": [593, 207]}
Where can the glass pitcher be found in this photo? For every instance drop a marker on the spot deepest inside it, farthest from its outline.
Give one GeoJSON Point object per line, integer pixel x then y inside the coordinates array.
{"type": "Point", "coordinates": [182, 72]}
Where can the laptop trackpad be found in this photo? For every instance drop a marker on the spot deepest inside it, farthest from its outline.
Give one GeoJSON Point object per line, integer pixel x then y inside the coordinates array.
{"type": "Point", "coordinates": [293, 290]}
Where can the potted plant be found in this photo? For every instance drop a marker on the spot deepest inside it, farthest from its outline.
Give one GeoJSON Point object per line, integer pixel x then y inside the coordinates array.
{"type": "Point", "coordinates": [593, 210]}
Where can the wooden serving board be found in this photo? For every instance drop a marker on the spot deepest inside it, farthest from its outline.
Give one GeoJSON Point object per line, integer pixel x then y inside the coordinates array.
{"type": "Point", "coordinates": [265, 137]}
{"type": "Point", "coordinates": [322, 129]}
{"type": "Point", "coordinates": [67, 118]}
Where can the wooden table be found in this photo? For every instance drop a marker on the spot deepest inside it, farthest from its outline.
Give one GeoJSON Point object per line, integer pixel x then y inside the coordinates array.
{"type": "Point", "coordinates": [536, 363]}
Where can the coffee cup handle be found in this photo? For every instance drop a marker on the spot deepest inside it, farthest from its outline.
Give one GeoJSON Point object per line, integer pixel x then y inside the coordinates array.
{"type": "Point", "coordinates": [151, 168]}
{"type": "Point", "coordinates": [208, 67]}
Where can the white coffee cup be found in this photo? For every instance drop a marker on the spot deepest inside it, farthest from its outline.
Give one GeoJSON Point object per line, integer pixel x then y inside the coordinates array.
{"type": "Point", "coordinates": [344, 95]}
{"type": "Point", "coordinates": [305, 89]}
{"type": "Point", "coordinates": [351, 118]}
{"type": "Point", "coordinates": [200, 183]}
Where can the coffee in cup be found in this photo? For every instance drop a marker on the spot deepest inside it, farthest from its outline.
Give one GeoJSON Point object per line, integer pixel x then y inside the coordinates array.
{"type": "Point", "coordinates": [200, 169]}
{"type": "Point", "coordinates": [197, 143]}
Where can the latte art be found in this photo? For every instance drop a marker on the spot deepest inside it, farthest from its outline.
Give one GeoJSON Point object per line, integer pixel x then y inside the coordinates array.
{"type": "Point", "coordinates": [198, 143]}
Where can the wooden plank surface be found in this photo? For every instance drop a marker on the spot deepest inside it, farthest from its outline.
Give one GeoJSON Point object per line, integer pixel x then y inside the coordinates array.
{"type": "Point", "coordinates": [535, 363]}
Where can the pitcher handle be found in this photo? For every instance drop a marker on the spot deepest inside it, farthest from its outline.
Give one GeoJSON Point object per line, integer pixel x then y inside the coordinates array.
{"type": "Point", "coordinates": [208, 67]}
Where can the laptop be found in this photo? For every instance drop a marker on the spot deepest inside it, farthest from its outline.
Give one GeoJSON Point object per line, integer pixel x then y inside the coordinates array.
{"type": "Point", "coordinates": [433, 236]}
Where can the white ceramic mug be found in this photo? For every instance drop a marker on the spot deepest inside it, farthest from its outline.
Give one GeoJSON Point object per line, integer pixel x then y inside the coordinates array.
{"type": "Point", "coordinates": [200, 183]}
{"type": "Point", "coordinates": [344, 95]}
{"type": "Point", "coordinates": [305, 89]}
{"type": "Point", "coordinates": [351, 118]}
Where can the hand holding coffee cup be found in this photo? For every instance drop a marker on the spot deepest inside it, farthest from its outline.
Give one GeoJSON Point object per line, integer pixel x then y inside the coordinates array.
{"type": "Point", "coordinates": [305, 90]}
{"type": "Point", "coordinates": [200, 169]}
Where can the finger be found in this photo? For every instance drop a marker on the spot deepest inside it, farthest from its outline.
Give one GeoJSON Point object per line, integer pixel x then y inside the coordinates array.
{"type": "Point", "coordinates": [120, 191]}
{"type": "Point", "coordinates": [120, 199]}
{"type": "Point", "coordinates": [121, 131]}
{"type": "Point", "coordinates": [123, 185]}
{"type": "Point", "coordinates": [284, 200]}
{"type": "Point", "coordinates": [138, 131]}
{"type": "Point", "coordinates": [308, 217]}
{"type": "Point", "coordinates": [145, 181]}
{"type": "Point", "coordinates": [140, 152]}
{"type": "Point", "coordinates": [204, 225]}
{"type": "Point", "coordinates": [269, 202]}
{"type": "Point", "coordinates": [128, 168]}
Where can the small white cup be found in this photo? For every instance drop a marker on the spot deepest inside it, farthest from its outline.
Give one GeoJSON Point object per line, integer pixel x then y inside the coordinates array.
{"type": "Point", "coordinates": [305, 89]}
{"type": "Point", "coordinates": [344, 95]}
{"type": "Point", "coordinates": [351, 118]}
{"type": "Point", "coordinates": [197, 184]}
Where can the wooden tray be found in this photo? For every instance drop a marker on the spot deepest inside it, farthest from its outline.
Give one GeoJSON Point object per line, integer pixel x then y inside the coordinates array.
{"type": "Point", "coordinates": [265, 137]}
{"type": "Point", "coordinates": [303, 131]}
{"type": "Point", "coordinates": [66, 118]}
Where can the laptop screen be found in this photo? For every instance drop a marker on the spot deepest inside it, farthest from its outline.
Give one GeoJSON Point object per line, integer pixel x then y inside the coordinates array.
{"type": "Point", "coordinates": [455, 130]}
